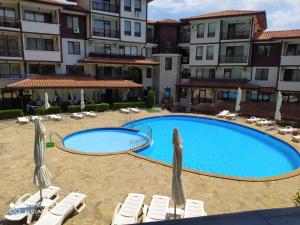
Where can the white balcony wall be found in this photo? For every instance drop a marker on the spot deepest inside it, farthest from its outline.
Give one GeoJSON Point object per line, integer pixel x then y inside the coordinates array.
{"type": "Point", "coordinates": [205, 39]}
{"type": "Point", "coordinates": [132, 37]}
{"type": "Point", "coordinates": [290, 60]}
{"type": "Point", "coordinates": [132, 14]}
{"type": "Point", "coordinates": [34, 55]}
{"type": "Point", "coordinates": [245, 72]}
{"type": "Point", "coordinates": [288, 86]}
{"type": "Point", "coordinates": [41, 28]}
{"type": "Point", "coordinates": [272, 77]}
{"type": "Point", "coordinates": [204, 62]}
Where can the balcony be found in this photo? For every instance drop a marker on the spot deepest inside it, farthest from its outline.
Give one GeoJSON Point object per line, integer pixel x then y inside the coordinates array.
{"type": "Point", "coordinates": [10, 52]}
{"type": "Point", "coordinates": [40, 27]}
{"type": "Point", "coordinates": [235, 35]}
{"type": "Point", "coordinates": [115, 55]}
{"type": "Point", "coordinates": [290, 60]}
{"type": "Point", "coordinates": [9, 22]}
{"type": "Point", "coordinates": [233, 59]}
{"type": "Point", "coordinates": [105, 7]}
{"type": "Point", "coordinates": [184, 38]}
{"type": "Point", "coordinates": [107, 33]}
{"type": "Point", "coordinates": [12, 76]}
{"type": "Point", "coordinates": [42, 55]}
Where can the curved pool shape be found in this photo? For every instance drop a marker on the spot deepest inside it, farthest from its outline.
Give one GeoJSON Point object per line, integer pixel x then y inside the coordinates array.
{"type": "Point", "coordinates": [104, 140]}
{"type": "Point", "coordinates": [220, 147]}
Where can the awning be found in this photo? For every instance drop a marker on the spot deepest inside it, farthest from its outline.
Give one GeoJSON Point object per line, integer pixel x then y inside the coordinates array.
{"type": "Point", "coordinates": [218, 83]}
{"type": "Point", "coordinates": [119, 61]}
{"type": "Point", "coordinates": [59, 82]}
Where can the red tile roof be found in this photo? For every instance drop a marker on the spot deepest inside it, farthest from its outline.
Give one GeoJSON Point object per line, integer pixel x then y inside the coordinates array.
{"type": "Point", "coordinates": [162, 21]}
{"type": "Point", "coordinates": [59, 82]}
{"type": "Point", "coordinates": [226, 13]}
{"type": "Point", "coordinates": [151, 21]}
{"type": "Point", "coordinates": [119, 61]}
{"type": "Point", "coordinates": [274, 35]}
{"type": "Point", "coordinates": [51, 2]}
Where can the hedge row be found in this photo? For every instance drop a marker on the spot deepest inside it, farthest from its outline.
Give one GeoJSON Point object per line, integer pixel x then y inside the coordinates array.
{"type": "Point", "coordinates": [94, 107]}
{"type": "Point", "coordinates": [119, 105]}
{"type": "Point", "coordinates": [51, 110]}
{"type": "Point", "coordinates": [11, 113]}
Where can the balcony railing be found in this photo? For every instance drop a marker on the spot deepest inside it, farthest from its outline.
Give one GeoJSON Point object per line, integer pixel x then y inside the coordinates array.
{"type": "Point", "coordinates": [10, 52]}
{"type": "Point", "coordinates": [115, 55]}
{"type": "Point", "coordinates": [9, 22]}
{"type": "Point", "coordinates": [13, 76]}
{"type": "Point", "coordinates": [105, 7]}
{"type": "Point", "coordinates": [185, 60]}
{"type": "Point", "coordinates": [184, 38]}
{"type": "Point", "coordinates": [150, 38]}
{"type": "Point", "coordinates": [106, 33]}
{"type": "Point", "coordinates": [235, 35]}
{"type": "Point", "coordinates": [233, 59]}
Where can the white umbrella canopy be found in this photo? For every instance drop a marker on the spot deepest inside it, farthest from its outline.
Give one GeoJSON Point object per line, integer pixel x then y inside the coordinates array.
{"type": "Point", "coordinates": [82, 105]}
{"type": "Point", "coordinates": [42, 177]}
{"type": "Point", "coordinates": [278, 106]}
{"type": "Point", "coordinates": [238, 100]}
{"type": "Point", "coordinates": [178, 195]}
{"type": "Point", "coordinates": [47, 104]}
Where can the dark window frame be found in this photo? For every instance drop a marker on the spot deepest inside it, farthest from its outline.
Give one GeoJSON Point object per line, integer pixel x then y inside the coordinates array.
{"type": "Point", "coordinates": [200, 35]}
{"type": "Point", "coordinates": [73, 23]}
{"type": "Point", "coordinates": [149, 73]}
{"type": "Point", "coordinates": [41, 68]}
{"type": "Point", "coordinates": [47, 16]}
{"type": "Point", "coordinates": [127, 8]}
{"type": "Point", "coordinates": [140, 6]}
{"type": "Point", "coordinates": [127, 32]}
{"type": "Point", "coordinates": [213, 55]}
{"type": "Point", "coordinates": [75, 48]}
{"type": "Point", "coordinates": [211, 34]}
{"type": "Point", "coordinates": [168, 63]}
{"type": "Point", "coordinates": [260, 77]}
{"type": "Point", "coordinates": [77, 70]}
{"type": "Point", "coordinates": [265, 52]}
{"type": "Point", "coordinates": [42, 41]}
{"type": "Point", "coordinates": [199, 57]}
{"type": "Point", "coordinates": [138, 34]}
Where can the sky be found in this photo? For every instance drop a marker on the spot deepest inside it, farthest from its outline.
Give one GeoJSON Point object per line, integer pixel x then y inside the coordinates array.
{"type": "Point", "coordinates": [281, 14]}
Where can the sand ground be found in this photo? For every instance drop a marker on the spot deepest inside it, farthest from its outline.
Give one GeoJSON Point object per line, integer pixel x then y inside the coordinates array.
{"type": "Point", "coordinates": [108, 179]}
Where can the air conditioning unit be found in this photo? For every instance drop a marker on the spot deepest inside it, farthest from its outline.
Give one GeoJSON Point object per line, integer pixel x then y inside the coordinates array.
{"type": "Point", "coordinates": [137, 13]}
{"type": "Point", "coordinates": [76, 30]}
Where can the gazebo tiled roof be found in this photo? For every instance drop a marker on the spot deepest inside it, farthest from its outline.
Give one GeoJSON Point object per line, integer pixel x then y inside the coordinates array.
{"type": "Point", "coordinates": [119, 61]}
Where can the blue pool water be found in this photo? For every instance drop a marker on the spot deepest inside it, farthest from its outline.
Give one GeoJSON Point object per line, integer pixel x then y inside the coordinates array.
{"type": "Point", "coordinates": [103, 140]}
{"type": "Point", "coordinates": [219, 147]}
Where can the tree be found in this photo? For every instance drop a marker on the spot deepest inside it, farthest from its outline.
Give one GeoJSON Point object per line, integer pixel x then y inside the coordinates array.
{"type": "Point", "coordinates": [151, 98]}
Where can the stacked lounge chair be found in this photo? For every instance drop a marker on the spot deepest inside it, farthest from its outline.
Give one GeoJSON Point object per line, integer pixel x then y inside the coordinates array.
{"type": "Point", "coordinates": [23, 120]}
{"type": "Point", "coordinates": [223, 114]}
{"type": "Point", "coordinates": [287, 130]}
{"type": "Point", "coordinates": [55, 117]}
{"type": "Point", "coordinates": [77, 115]}
{"type": "Point", "coordinates": [253, 119]}
{"type": "Point", "coordinates": [265, 122]}
{"type": "Point", "coordinates": [90, 114]}
{"type": "Point", "coordinates": [125, 111]}
{"type": "Point", "coordinates": [296, 138]}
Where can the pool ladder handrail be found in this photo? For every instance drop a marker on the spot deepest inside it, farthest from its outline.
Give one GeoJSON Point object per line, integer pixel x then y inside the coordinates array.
{"type": "Point", "coordinates": [56, 134]}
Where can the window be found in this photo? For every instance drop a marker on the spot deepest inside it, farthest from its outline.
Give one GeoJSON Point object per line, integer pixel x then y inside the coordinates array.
{"type": "Point", "coordinates": [138, 5]}
{"type": "Point", "coordinates": [211, 30]}
{"type": "Point", "coordinates": [186, 73]}
{"type": "Point", "coordinates": [168, 64]}
{"type": "Point", "coordinates": [127, 5]}
{"type": "Point", "coordinates": [291, 75]}
{"type": "Point", "coordinates": [41, 69]}
{"type": "Point", "coordinates": [121, 50]}
{"type": "Point", "coordinates": [40, 44]}
{"type": "Point", "coordinates": [291, 98]}
{"type": "Point", "coordinates": [264, 50]}
{"type": "Point", "coordinates": [210, 52]}
{"type": "Point", "coordinates": [9, 70]}
{"type": "Point", "coordinates": [74, 70]}
{"type": "Point", "coordinates": [103, 49]}
{"type": "Point", "coordinates": [127, 27]}
{"type": "Point", "coordinates": [38, 16]}
{"type": "Point", "coordinates": [293, 49]}
{"type": "Point", "coordinates": [232, 73]}
{"type": "Point", "coordinates": [227, 95]}
{"type": "Point", "coordinates": [200, 30]}
{"type": "Point", "coordinates": [261, 74]}
{"type": "Point", "coordinates": [72, 22]}
{"type": "Point", "coordinates": [7, 13]}
{"type": "Point", "coordinates": [199, 53]}
{"type": "Point", "coordinates": [149, 73]}
{"type": "Point", "coordinates": [137, 29]}
{"type": "Point", "coordinates": [205, 73]}
{"type": "Point", "coordinates": [74, 48]}
{"type": "Point", "coordinates": [9, 46]}
{"type": "Point", "coordinates": [259, 96]}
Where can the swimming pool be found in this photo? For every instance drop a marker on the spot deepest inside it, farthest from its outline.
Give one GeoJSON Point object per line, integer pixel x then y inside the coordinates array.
{"type": "Point", "coordinates": [105, 140]}
{"type": "Point", "coordinates": [219, 147]}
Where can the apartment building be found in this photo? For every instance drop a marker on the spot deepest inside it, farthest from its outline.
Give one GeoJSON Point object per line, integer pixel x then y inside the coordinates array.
{"type": "Point", "coordinates": [99, 45]}
{"type": "Point", "coordinates": [223, 51]}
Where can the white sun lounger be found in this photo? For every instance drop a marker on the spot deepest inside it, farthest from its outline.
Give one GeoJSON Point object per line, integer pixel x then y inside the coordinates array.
{"type": "Point", "coordinates": [264, 122]}
{"type": "Point", "coordinates": [23, 120]}
{"type": "Point", "coordinates": [296, 138]}
{"type": "Point", "coordinates": [55, 117]}
{"type": "Point", "coordinates": [223, 113]}
{"type": "Point", "coordinates": [158, 209]}
{"type": "Point", "coordinates": [90, 114]}
{"type": "Point", "coordinates": [25, 205]}
{"type": "Point", "coordinates": [126, 111]}
{"type": "Point", "coordinates": [231, 116]}
{"type": "Point", "coordinates": [77, 116]}
{"type": "Point", "coordinates": [253, 119]}
{"type": "Point", "coordinates": [74, 202]}
{"type": "Point", "coordinates": [134, 110]}
{"type": "Point", "coordinates": [129, 211]}
{"type": "Point", "coordinates": [193, 208]}
{"type": "Point", "coordinates": [287, 130]}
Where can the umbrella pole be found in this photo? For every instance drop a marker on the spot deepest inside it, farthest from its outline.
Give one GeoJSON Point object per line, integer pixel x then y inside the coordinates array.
{"type": "Point", "coordinates": [174, 211]}
{"type": "Point", "coordinates": [41, 195]}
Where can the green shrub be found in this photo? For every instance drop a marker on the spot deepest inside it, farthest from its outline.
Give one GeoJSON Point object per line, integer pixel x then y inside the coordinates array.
{"type": "Point", "coordinates": [119, 105]}
{"type": "Point", "coordinates": [102, 107]}
{"type": "Point", "coordinates": [64, 106]}
{"type": "Point", "coordinates": [91, 107]}
{"type": "Point", "coordinates": [151, 98]}
{"type": "Point", "coordinates": [51, 110]}
{"type": "Point", "coordinates": [11, 113]}
{"type": "Point", "coordinates": [74, 108]}
{"type": "Point", "coordinates": [297, 199]}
